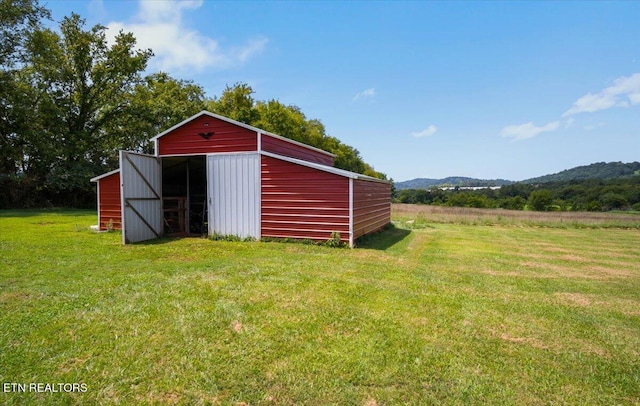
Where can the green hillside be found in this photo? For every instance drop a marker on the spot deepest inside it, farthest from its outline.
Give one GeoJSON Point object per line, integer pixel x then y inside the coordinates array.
{"type": "Point", "coordinates": [599, 170]}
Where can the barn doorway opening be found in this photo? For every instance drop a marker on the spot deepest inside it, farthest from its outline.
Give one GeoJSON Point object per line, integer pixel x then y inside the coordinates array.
{"type": "Point", "coordinates": [184, 195]}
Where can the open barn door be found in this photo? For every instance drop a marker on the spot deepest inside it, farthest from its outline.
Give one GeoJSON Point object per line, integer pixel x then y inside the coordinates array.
{"type": "Point", "coordinates": [140, 183]}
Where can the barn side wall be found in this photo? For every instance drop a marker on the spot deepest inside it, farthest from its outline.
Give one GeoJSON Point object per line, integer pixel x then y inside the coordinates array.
{"type": "Point", "coordinates": [109, 202]}
{"type": "Point", "coordinates": [282, 147]}
{"type": "Point", "coordinates": [371, 206]}
{"type": "Point", "coordinates": [191, 138]}
{"type": "Point", "coordinates": [301, 202]}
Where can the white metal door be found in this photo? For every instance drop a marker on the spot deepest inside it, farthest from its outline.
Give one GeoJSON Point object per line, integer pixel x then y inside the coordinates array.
{"type": "Point", "coordinates": [233, 190]}
{"type": "Point", "coordinates": [140, 187]}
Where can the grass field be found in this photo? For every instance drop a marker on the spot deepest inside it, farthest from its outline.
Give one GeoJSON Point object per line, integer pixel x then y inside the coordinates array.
{"type": "Point", "coordinates": [437, 310]}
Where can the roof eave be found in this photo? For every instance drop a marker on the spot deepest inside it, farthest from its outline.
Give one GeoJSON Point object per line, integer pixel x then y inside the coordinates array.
{"type": "Point", "coordinates": [243, 125]}
{"type": "Point", "coordinates": [325, 168]}
{"type": "Point", "coordinates": [104, 175]}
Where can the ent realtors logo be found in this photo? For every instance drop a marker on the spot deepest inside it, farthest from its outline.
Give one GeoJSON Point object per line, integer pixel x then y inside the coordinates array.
{"type": "Point", "coordinates": [39, 387]}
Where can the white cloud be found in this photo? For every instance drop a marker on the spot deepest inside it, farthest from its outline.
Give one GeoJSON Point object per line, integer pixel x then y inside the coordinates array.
{"type": "Point", "coordinates": [591, 127]}
{"type": "Point", "coordinates": [159, 26]}
{"type": "Point", "coordinates": [527, 130]}
{"type": "Point", "coordinates": [624, 92]}
{"type": "Point", "coordinates": [368, 93]}
{"type": "Point", "coordinates": [426, 132]}
{"type": "Point", "coordinates": [569, 122]}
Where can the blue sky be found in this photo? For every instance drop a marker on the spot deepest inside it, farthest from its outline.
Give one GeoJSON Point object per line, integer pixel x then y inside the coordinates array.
{"type": "Point", "coordinates": [422, 89]}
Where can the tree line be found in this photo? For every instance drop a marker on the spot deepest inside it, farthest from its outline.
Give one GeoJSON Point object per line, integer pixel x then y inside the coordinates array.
{"type": "Point", "coordinates": [574, 195]}
{"type": "Point", "coordinates": [69, 100]}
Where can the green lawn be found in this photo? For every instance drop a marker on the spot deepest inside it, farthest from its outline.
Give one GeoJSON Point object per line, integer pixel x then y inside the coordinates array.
{"type": "Point", "coordinates": [441, 314]}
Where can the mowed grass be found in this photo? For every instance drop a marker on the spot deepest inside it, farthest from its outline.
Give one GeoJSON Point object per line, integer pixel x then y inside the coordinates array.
{"type": "Point", "coordinates": [445, 313]}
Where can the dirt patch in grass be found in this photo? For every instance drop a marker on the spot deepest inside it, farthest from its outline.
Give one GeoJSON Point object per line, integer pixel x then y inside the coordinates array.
{"type": "Point", "coordinates": [160, 398]}
{"type": "Point", "coordinates": [534, 269]}
{"type": "Point", "coordinates": [73, 364]}
{"type": "Point", "coordinates": [549, 247]}
{"type": "Point", "coordinates": [236, 326]}
{"type": "Point", "coordinates": [577, 299]}
{"type": "Point", "coordinates": [573, 258]}
{"type": "Point", "coordinates": [533, 342]}
{"type": "Point", "coordinates": [569, 343]}
{"type": "Point", "coordinates": [627, 307]}
{"type": "Point", "coordinates": [613, 272]}
{"type": "Point", "coordinates": [11, 297]}
{"type": "Point", "coordinates": [370, 402]}
{"type": "Point", "coordinates": [588, 272]}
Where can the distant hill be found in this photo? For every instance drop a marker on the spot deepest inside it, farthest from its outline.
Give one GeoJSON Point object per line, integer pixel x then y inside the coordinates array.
{"type": "Point", "coordinates": [599, 170]}
{"type": "Point", "coordinates": [426, 183]}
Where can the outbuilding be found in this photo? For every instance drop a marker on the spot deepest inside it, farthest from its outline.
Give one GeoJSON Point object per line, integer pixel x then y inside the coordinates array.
{"type": "Point", "coordinates": [210, 174]}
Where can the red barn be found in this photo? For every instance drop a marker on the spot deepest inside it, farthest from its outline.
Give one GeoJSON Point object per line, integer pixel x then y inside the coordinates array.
{"type": "Point", "coordinates": [214, 175]}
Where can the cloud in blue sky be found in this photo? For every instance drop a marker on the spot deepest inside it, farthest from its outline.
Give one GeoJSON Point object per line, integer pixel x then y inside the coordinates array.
{"type": "Point", "coordinates": [365, 94]}
{"type": "Point", "coordinates": [159, 26]}
{"type": "Point", "coordinates": [527, 130]}
{"type": "Point", "coordinates": [625, 92]}
{"type": "Point", "coordinates": [427, 132]}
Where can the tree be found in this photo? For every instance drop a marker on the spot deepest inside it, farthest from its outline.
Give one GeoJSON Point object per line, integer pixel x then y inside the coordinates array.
{"type": "Point", "coordinates": [238, 103]}
{"type": "Point", "coordinates": [69, 89]}
{"type": "Point", "coordinates": [611, 200]}
{"type": "Point", "coordinates": [84, 84]}
{"type": "Point", "coordinates": [18, 20]}
{"type": "Point", "coordinates": [539, 200]}
{"type": "Point", "coordinates": [156, 103]}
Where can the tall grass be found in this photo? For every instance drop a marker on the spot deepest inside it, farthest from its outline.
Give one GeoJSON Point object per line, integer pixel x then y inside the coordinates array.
{"type": "Point", "coordinates": [472, 216]}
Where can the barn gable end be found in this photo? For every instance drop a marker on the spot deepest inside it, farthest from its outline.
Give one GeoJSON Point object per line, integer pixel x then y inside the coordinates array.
{"type": "Point", "coordinates": [205, 134]}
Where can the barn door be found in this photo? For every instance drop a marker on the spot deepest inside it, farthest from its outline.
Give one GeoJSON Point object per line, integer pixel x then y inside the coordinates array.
{"type": "Point", "coordinates": [233, 191]}
{"type": "Point", "coordinates": [140, 177]}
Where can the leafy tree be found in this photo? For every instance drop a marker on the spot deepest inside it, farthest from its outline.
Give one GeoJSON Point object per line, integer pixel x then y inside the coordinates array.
{"type": "Point", "coordinates": [156, 103]}
{"type": "Point", "coordinates": [539, 200]}
{"type": "Point", "coordinates": [238, 103]}
{"type": "Point", "coordinates": [512, 203]}
{"type": "Point", "coordinates": [70, 87]}
{"type": "Point", "coordinates": [84, 84]}
{"type": "Point", "coordinates": [611, 200]}
{"type": "Point", "coordinates": [18, 19]}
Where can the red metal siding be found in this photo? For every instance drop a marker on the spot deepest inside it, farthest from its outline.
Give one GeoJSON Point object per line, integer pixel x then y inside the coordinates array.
{"type": "Point", "coordinates": [109, 201]}
{"type": "Point", "coordinates": [282, 147]}
{"type": "Point", "coordinates": [371, 206]}
{"type": "Point", "coordinates": [302, 202]}
{"type": "Point", "coordinates": [225, 137]}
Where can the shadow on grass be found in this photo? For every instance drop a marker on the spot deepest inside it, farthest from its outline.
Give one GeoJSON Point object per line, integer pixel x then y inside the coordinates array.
{"type": "Point", "coordinates": [165, 239]}
{"type": "Point", "coordinates": [380, 240]}
{"type": "Point", "coordinates": [383, 239]}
